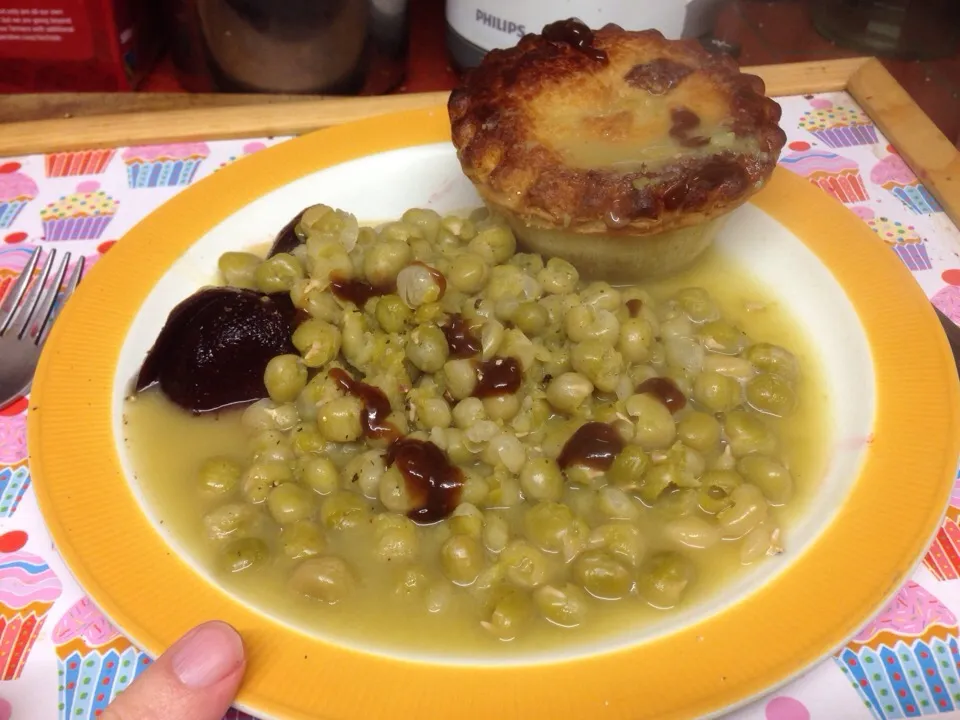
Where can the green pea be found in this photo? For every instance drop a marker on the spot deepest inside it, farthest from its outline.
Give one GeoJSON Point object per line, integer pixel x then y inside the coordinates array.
{"type": "Point", "coordinates": [228, 520]}
{"type": "Point", "coordinates": [239, 269]}
{"type": "Point", "coordinates": [397, 538]}
{"type": "Point", "coordinates": [289, 503]}
{"type": "Point", "coordinates": [602, 576]}
{"type": "Point", "coordinates": [553, 527]}
{"type": "Point", "coordinates": [494, 243]}
{"type": "Point", "coordinates": [716, 392]}
{"type": "Point", "coordinates": [301, 540]}
{"type": "Point", "coordinates": [716, 487]}
{"type": "Point", "coordinates": [399, 230]}
{"type": "Point", "coordinates": [541, 479]}
{"type": "Point", "coordinates": [219, 475]}
{"type": "Point", "coordinates": [655, 426]}
{"type": "Point", "coordinates": [427, 348]}
{"type": "Point", "coordinates": [698, 305]}
{"type": "Point", "coordinates": [664, 578]}
{"type": "Point", "coordinates": [243, 553]}
{"type": "Point", "coordinates": [285, 377]}
{"type": "Point", "coordinates": [700, 431]}
{"type": "Point", "coordinates": [278, 274]}
{"type": "Point", "coordinates": [771, 394]}
{"type": "Point", "coordinates": [628, 468]}
{"type": "Point", "coordinates": [510, 614]}
{"type": "Point", "coordinates": [461, 558]}
{"type": "Point", "coordinates": [392, 314]}
{"type": "Point", "coordinates": [262, 477]}
{"type": "Point", "coordinates": [427, 221]}
{"type": "Point", "coordinates": [721, 337]}
{"type": "Point", "coordinates": [531, 318]}
{"type": "Point", "coordinates": [318, 303]}
{"type": "Point", "coordinates": [339, 420]}
{"type": "Point", "coordinates": [320, 474]}
{"type": "Point", "coordinates": [469, 273]}
{"type": "Point", "coordinates": [524, 565]}
{"type": "Point", "coordinates": [623, 541]}
{"type": "Point", "coordinates": [462, 227]}
{"type": "Point", "coordinates": [466, 520]}
{"type": "Point", "coordinates": [327, 579]}
{"type": "Point", "coordinates": [773, 359]}
{"type": "Point", "coordinates": [318, 342]}
{"type": "Point", "coordinates": [657, 479]}
{"type": "Point", "coordinates": [343, 511]}
{"type": "Point", "coordinates": [307, 439]}
{"type": "Point", "coordinates": [566, 606]}
{"type": "Point", "coordinates": [773, 479]}
{"type": "Point", "coordinates": [746, 433]}
{"type": "Point", "coordinates": [677, 502]}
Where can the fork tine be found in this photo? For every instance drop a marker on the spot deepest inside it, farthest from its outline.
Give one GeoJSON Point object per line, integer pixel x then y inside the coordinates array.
{"type": "Point", "coordinates": [48, 299]}
{"type": "Point", "coordinates": [23, 313]}
{"type": "Point", "coordinates": [53, 311]}
{"type": "Point", "coordinates": [12, 300]}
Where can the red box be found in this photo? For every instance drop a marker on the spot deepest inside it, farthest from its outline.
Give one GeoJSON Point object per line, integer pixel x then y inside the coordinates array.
{"type": "Point", "coordinates": [76, 45]}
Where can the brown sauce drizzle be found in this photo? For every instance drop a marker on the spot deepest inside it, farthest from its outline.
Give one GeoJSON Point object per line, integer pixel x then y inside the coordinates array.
{"type": "Point", "coordinates": [437, 276]}
{"type": "Point", "coordinates": [462, 342]}
{"type": "Point", "coordinates": [658, 76]}
{"type": "Point", "coordinates": [376, 406]}
{"type": "Point", "coordinates": [595, 445]}
{"type": "Point", "coordinates": [432, 480]}
{"type": "Point", "coordinates": [498, 376]}
{"type": "Point", "coordinates": [356, 291]}
{"type": "Point", "coordinates": [634, 306]}
{"type": "Point", "coordinates": [577, 35]}
{"type": "Point", "coordinates": [666, 391]}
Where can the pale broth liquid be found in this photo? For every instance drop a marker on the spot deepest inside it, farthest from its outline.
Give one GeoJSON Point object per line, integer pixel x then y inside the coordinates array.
{"type": "Point", "coordinates": [167, 445]}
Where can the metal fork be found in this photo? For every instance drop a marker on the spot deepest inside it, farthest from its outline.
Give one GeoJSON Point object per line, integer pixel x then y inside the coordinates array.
{"type": "Point", "coordinates": [26, 314]}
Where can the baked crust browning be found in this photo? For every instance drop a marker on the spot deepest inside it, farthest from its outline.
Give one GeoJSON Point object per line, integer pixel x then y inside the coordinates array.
{"type": "Point", "coordinates": [613, 131]}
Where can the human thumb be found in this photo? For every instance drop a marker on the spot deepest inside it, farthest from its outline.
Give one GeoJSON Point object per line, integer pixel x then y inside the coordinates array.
{"type": "Point", "coordinates": [195, 679]}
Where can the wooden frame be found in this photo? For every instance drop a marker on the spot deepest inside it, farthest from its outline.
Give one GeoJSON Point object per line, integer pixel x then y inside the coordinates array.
{"type": "Point", "coordinates": [928, 152]}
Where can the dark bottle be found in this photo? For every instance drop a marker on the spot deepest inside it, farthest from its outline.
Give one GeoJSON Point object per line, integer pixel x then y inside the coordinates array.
{"type": "Point", "coordinates": [346, 47]}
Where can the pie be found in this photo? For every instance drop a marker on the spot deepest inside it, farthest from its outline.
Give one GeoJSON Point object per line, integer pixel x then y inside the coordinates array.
{"type": "Point", "coordinates": [616, 135]}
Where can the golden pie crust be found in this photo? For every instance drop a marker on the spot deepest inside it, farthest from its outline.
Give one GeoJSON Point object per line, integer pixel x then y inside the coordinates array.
{"type": "Point", "coordinates": [613, 131]}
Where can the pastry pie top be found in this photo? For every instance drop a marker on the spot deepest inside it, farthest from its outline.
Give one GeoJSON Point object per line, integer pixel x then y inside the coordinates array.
{"type": "Point", "coordinates": [609, 130]}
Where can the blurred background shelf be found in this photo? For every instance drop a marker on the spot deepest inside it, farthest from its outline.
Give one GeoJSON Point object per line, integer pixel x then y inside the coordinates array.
{"type": "Point", "coordinates": [761, 32]}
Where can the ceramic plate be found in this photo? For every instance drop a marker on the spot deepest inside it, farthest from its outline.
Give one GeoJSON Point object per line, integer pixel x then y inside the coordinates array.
{"type": "Point", "coordinates": [889, 377]}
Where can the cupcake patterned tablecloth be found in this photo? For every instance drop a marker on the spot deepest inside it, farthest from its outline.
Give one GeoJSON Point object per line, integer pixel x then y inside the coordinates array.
{"type": "Point", "coordinates": [61, 659]}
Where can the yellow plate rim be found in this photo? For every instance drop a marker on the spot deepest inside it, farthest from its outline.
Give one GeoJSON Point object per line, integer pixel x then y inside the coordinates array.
{"type": "Point", "coordinates": [763, 640]}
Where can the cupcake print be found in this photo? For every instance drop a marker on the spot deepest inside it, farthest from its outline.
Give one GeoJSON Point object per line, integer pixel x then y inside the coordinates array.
{"type": "Point", "coordinates": [894, 176]}
{"type": "Point", "coordinates": [171, 165]}
{"type": "Point", "coordinates": [837, 126]}
{"type": "Point", "coordinates": [904, 240]}
{"type": "Point", "coordinates": [14, 473]}
{"type": "Point", "coordinates": [16, 190]}
{"type": "Point", "coordinates": [82, 215]}
{"type": "Point", "coordinates": [832, 173]}
{"type": "Point", "coordinates": [82, 162]}
{"type": "Point", "coordinates": [943, 557]}
{"type": "Point", "coordinates": [95, 662]}
{"type": "Point", "coordinates": [904, 663]}
{"type": "Point", "coordinates": [28, 589]}
{"type": "Point", "coordinates": [248, 149]}
{"type": "Point", "coordinates": [947, 299]}
{"type": "Point", "coordinates": [13, 260]}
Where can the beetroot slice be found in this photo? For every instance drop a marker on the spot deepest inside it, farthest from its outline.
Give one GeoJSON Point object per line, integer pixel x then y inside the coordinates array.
{"type": "Point", "coordinates": [286, 239]}
{"type": "Point", "coordinates": [215, 346]}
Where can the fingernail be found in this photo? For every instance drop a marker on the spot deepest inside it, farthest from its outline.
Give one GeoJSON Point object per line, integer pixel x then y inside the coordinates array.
{"type": "Point", "coordinates": [207, 654]}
